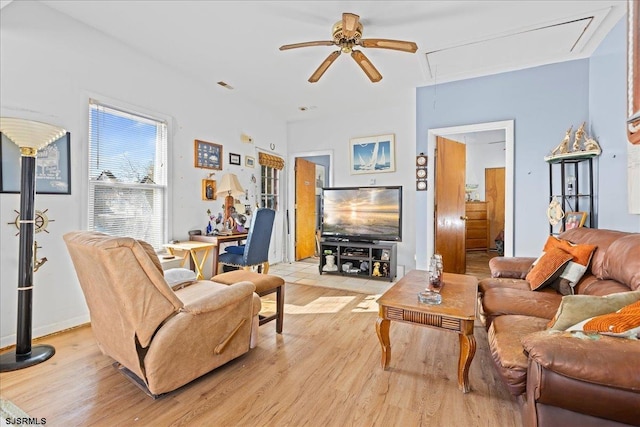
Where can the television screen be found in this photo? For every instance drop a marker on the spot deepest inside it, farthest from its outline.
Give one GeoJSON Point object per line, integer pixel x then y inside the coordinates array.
{"type": "Point", "coordinates": [362, 213]}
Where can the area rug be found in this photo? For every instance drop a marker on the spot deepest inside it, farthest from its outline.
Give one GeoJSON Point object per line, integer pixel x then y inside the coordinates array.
{"type": "Point", "coordinates": [9, 412]}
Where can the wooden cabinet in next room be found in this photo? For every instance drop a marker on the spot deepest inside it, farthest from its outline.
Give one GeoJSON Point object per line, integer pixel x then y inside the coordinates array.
{"type": "Point", "coordinates": [477, 225]}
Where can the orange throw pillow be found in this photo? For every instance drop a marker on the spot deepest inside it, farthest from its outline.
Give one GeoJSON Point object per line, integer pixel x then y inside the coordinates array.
{"type": "Point", "coordinates": [621, 321]}
{"type": "Point", "coordinates": [581, 252]}
{"type": "Point", "coordinates": [548, 268]}
{"type": "Point", "coordinates": [576, 268]}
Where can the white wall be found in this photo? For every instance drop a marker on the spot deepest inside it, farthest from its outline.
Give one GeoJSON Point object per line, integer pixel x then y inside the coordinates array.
{"type": "Point", "coordinates": [333, 133]}
{"type": "Point", "coordinates": [50, 65]}
{"type": "Point", "coordinates": [479, 158]}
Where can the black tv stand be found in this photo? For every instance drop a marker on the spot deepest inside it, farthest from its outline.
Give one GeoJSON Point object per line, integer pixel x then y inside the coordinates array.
{"type": "Point", "coordinates": [370, 260]}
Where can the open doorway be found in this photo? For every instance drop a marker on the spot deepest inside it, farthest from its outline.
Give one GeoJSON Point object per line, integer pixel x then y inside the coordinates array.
{"type": "Point", "coordinates": [504, 128]}
{"type": "Point", "coordinates": [311, 174]}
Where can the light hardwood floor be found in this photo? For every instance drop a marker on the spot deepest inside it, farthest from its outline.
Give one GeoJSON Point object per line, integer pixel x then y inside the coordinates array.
{"type": "Point", "coordinates": [324, 370]}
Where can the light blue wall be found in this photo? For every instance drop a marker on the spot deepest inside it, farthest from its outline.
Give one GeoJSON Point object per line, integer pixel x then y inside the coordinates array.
{"type": "Point", "coordinates": [543, 101]}
{"type": "Point", "coordinates": [607, 113]}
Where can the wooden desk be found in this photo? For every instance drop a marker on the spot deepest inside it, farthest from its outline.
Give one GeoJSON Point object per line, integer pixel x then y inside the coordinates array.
{"type": "Point", "coordinates": [191, 248]}
{"type": "Point", "coordinates": [217, 241]}
{"type": "Point", "coordinates": [456, 313]}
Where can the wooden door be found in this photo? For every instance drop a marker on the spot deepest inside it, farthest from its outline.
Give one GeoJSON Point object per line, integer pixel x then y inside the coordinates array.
{"type": "Point", "coordinates": [494, 186]}
{"type": "Point", "coordinates": [450, 170]}
{"type": "Point", "coordinates": [305, 209]}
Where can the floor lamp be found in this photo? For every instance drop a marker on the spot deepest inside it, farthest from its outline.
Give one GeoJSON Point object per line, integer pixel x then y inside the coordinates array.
{"type": "Point", "coordinates": [30, 136]}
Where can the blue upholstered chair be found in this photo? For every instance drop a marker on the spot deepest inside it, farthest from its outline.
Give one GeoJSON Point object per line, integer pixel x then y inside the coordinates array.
{"type": "Point", "coordinates": [255, 252]}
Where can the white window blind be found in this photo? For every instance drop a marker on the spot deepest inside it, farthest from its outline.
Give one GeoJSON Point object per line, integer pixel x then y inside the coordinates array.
{"type": "Point", "coordinates": [127, 174]}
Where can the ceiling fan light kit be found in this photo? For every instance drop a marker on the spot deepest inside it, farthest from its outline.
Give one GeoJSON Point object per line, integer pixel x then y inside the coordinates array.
{"type": "Point", "coordinates": [347, 34]}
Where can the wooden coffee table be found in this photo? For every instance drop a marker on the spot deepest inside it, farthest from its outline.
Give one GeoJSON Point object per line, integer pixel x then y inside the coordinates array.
{"type": "Point", "coordinates": [456, 313]}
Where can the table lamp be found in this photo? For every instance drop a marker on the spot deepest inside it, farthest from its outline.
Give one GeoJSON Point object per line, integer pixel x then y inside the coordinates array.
{"type": "Point", "coordinates": [30, 136]}
{"type": "Point", "coordinates": [230, 188]}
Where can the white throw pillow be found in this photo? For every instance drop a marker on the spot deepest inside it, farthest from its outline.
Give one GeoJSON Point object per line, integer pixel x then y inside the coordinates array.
{"type": "Point", "coordinates": [179, 277]}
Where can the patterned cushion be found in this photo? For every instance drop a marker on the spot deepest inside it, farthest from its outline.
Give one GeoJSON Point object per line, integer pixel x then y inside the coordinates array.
{"type": "Point", "coordinates": [547, 268]}
{"type": "Point", "coordinates": [621, 321]}
{"type": "Point", "coordinates": [576, 308]}
{"type": "Point", "coordinates": [575, 269]}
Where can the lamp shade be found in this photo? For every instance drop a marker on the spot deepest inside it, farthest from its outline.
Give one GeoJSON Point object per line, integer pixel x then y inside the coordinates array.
{"type": "Point", "coordinates": [29, 133]}
{"type": "Point", "coordinates": [229, 184]}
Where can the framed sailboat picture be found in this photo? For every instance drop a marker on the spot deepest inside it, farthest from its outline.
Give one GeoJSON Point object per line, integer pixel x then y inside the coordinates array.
{"type": "Point", "coordinates": [372, 154]}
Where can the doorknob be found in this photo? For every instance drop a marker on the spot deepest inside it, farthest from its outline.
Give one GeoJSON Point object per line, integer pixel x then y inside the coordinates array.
{"type": "Point", "coordinates": [464, 218]}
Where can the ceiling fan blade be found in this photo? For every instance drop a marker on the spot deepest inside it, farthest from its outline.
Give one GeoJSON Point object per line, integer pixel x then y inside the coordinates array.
{"type": "Point", "coordinates": [323, 67]}
{"type": "Point", "coordinates": [402, 45]}
{"type": "Point", "coordinates": [366, 66]}
{"type": "Point", "coordinates": [306, 44]}
{"type": "Point", "coordinates": [349, 25]}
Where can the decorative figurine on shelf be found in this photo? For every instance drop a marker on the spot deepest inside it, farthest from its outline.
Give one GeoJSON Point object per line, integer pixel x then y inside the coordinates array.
{"type": "Point", "coordinates": [385, 269]}
{"type": "Point", "coordinates": [376, 269]}
{"type": "Point", "coordinates": [578, 138]}
{"type": "Point", "coordinates": [563, 147]}
{"type": "Point", "coordinates": [583, 146]}
{"type": "Point", "coordinates": [591, 145]}
{"type": "Point", "coordinates": [330, 263]}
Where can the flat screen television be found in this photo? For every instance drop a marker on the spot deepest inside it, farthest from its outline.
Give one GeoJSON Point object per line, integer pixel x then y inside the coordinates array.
{"type": "Point", "coordinates": [362, 213]}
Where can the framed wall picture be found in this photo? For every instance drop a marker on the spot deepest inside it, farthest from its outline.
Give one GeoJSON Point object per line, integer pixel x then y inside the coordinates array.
{"type": "Point", "coordinates": [53, 167]}
{"type": "Point", "coordinates": [209, 189]}
{"type": "Point", "coordinates": [207, 155]}
{"type": "Point", "coordinates": [574, 220]}
{"type": "Point", "coordinates": [249, 161]}
{"type": "Point", "coordinates": [234, 159]}
{"type": "Point", "coordinates": [372, 154]}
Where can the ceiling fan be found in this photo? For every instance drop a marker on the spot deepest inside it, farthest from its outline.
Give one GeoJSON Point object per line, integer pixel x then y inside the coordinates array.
{"type": "Point", "coordinates": [347, 34]}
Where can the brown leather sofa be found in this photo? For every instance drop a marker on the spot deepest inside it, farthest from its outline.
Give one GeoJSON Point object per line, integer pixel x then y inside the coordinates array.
{"type": "Point", "coordinates": [564, 378]}
{"type": "Point", "coordinates": [164, 338]}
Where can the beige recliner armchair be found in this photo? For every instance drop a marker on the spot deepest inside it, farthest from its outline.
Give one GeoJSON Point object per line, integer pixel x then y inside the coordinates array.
{"type": "Point", "coordinates": [165, 338]}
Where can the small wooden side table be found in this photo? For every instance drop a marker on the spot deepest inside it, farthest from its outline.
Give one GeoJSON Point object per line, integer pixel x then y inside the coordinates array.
{"type": "Point", "coordinates": [193, 249]}
{"type": "Point", "coordinates": [456, 313]}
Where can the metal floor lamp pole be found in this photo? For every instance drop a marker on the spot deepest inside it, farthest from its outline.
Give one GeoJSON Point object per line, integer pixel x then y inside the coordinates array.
{"type": "Point", "coordinates": [41, 135]}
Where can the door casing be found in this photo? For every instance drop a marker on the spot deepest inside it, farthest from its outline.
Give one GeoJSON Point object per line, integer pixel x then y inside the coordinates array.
{"type": "Point", "coordinates": [508, 127]}
{"type": "Point", "coordinates": [290, 226]}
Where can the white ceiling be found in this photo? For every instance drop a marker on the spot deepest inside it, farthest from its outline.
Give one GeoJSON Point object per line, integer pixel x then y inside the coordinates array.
{"type": "Point", "coordinates": [237, 42]}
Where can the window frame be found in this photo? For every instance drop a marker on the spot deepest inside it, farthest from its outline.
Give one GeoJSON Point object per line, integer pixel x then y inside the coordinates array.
{"type": "Point", "coordinates": [145, 114]}
{"type": "Point", "coordinates": [266, 177]}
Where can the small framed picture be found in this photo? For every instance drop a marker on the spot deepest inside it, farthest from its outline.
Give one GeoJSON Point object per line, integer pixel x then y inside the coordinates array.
{"type": "Point", "coordinates": [384, 256]}
{"type": "Point", "coordinates": [249, 161]}
{"type": "Point", "coordinates": [574, 220]}
{"type": "Point", "coordinates": [208, 189]}
{"type": "Point", "coordinates": [234, 159]}
{"type": "Point", "coordinates": [208, 155]}
{"type": "Point", "coordinates": [372, 154]}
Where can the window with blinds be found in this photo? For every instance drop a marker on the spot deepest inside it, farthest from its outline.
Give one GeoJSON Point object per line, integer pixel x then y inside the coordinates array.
{"type": "Point", "coordinates": [127, 174]}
